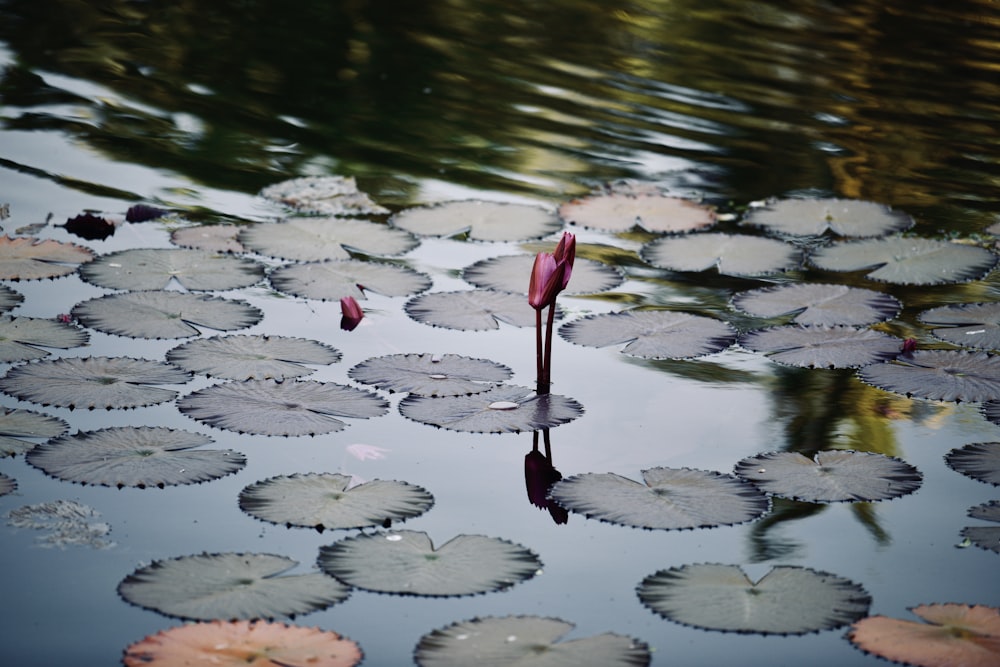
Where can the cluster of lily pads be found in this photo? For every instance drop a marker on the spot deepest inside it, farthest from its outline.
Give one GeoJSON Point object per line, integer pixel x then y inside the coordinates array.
{"type": "Point", "coordinates": [325, 251]}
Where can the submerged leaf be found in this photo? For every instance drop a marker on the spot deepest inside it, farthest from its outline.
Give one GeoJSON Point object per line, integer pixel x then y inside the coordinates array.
{"type": "Point", "coordinates": [907, 260]}
{"type": "Point", "coordinates": [134, 456]}
{"type": "Point", "coordinates": [978, 460]}
{"type": "Point", "coordinates": [822, 346]}
{"type": "Point", "coordinates": [252, 357]}
{"type": "Point", "coordinates": [940, 375]}
{"type": "Point", "coordinates": [846, 217]}
{"type": "Point", "coordinates": [64, 523]}
{"type": "Point", "coordinates": [17, 424]}
{"type": "Point", "coordinates": [481, 220]}
{"type": "Point", "coordinates": [164, 314]}
{"type": "Point", "coordinates": [318, 239]}
{"type": "Point", "coordinates": [324, 195]}
{"type": "Point", "coordinates": [652, 212]}
{"type": "Point", "coordinates": [471, 310]}
{"type": "Point", "coordinates": [21, 336]}
{"type": "Point", "coordinates": [510, 273]}
{"type": "Point", "coordinates": [405, 562]}
{"type": "Point", "coordinates": [814, 303]}
{"type": "Point", "coordinates": [7, 484]}
{"type": "Point", "coordinates": [954, 634]}
{"type": "Point", "coordinates": [324, 501]}
{"type": "Point", "coordinates": [669, 499]}
{"type": "Point", "coordinates": [154, 268]}
{"type": "Point", "coordinates": [652, 334]}
{"type": "Point", "coordinates": [266, 407]}
{"type": "Point", "coordinates": [788, 600]}
{"type": "Point", "coordinates": [985, 537]}
{"type": "Point", "coordinates": [830, 476]}
{"type": "Point", "coordinates": [730, 254]}
{"type": "Point", "coordinates": [27, 258]}
{"type": "Point", "coordinates": [525, 641]}
{"type": "Point", "coordinates": [334, 280]}
{"type": "Point", "coordinates": [967, 324]}
{"type": "Point", "coordinates": [430, 375]}
{"type": "Point", "coordinates": [503, 409]}
{"type": "Point", "coordinates": [229, 586]}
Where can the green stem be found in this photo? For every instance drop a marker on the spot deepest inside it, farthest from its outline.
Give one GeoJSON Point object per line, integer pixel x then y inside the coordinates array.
{"type": "Point", "coordinates": [547, 363]}
{"type": "Point", "coordinates": [539, 358]}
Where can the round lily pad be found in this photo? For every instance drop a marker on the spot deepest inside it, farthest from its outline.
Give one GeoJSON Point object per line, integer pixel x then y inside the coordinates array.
{"type": "Point", "coordinates": [991, 410]}
{"type": "Point", "coordinates": [7, 484]}
{"type": "Point", "coordinates": [229, 586]}
{"type": "Point", "coordinates": [245, 357]}
{"type": "Point", "coordinates": [27, 258]}
{"type": "Point", "coordinates": [9, 299]}
{"type": "Point", "coordinates": [511, 273]}
{"type": "Point", "coordinates": [21, 337]}
{"type": "Point", "coordinates": [214, 238]}
{"type": "Point", "coordinates": [941, 375]}
{"type": "Point", "coordinates": [471, 310]}
{"type": "Point", "coordinates": [904, 260]}
{"type": "Point", "coordinates": [830, 476]}
{"type": "Point", "coordinates": [16, 424]}
{"type": "Point", "coordinates": [267, 407]}
{"type": "Point", "coordinates": [845, 217]}
{"type": "Point", "coordinates": [730, 254]}
{"type": "Point", "coordinates": [331, 281]}
{"type": "Point", "coordinates": [481, 220]}
{"type": "Point", "coordinates": [93, 382]}
{"type": "Point", "coordinates": [503, 409]}
{"type": "Point", "coordinates": [978, 460]}
{"type": "Point", "coordinates": [164, 314]}
{"type": "Point", "coordinates": [974, 325]}
{"type": "Point", "coordinates": [326, 501]}
{"type": "Point", "coordinates": [821, 346]}
{"type": "Point", "coordinates": [323, 195]}
{"type": "Point", "coordinates": [619, 212]}
{"type": "Point", "coordinates": [652, 334]}
{"type": "Point", "coordinates": [985, 537]}
{"type": "Point", "coordinates": [526, 641]}
{"type": "Point", "coordinates": [788, 600]}
{"type": "Point", "coordinates": [407, 563]}
{"type": "Point", "coordinates": [154, 268]}
{"type": "Point", "coordinates": [430, 375]}
{"type": "Point", "coordinates": [317, 239]}
{"type": "Point", "coordinates": [668, 498]}
{"type": "Point", "coordinates": [817, 303]}
{"type": "Point", "coordinates": [134, 456]}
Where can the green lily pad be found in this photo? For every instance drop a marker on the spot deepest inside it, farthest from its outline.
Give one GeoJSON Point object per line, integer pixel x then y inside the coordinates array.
{"type": "Point", "coordinates": [845, 217]}
{"type": "Point", "coordinates": [815, 303]}
{"type": "Point", "coordinates": [21, 337]}
{"type": "Point", "coordinates": [430, 375]}
{"type": "Point", "coordinates": [618, 212]}
{"type": "Point", "coordinates": [503, 409]}
{"type": "Point", "coordinates": [154, 268]}
{"type": "Point", "coordinates": [904, 260]}
{"type": "Point", "coordinates": [940, 375]}
{"type": "Point", "coordinates": [319, 239]}
{"type": "Point", "coordinates": [978, 460]}
{"type": "Point", "coordinates": [258, 357]}
{"type": "Point", "coordinates": [729, 254]}
{"type": "Point", "coordinates": [17, 424]}
{"type": "Point", "coordinates": [481, 220]}
{"type": "Point", "coordinates": [511, 273]}
{"type": "Point", "coordinates": [652, 334]}
{"type": "Point", "coordinates": [28, 258]}
{"type": "Point", "coordinates": [323, 195]}
{"type": "Point", "coordinates": [974, 325]}
{"type": "Point", "coordinates": [985, 537]}
{"type": "Point", "coordinates": [823, 346]}
{"type": "Point", "coordinates": [471, 310]}
{"type": "Point", "coordinates": [7, 484]}
{"type": "Point", "coordinates": [9, 299]}
{"type": "Point", "coordinates": [214, 238]}
{"type": "Point", "coordinates": [333, 280]}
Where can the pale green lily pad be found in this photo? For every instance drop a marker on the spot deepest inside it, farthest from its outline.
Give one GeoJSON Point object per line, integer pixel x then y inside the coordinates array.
{"type": "Point", "coordinates": [904, 260]}
{"type": "Point", "coordinates": [503, 409]}
{"type": "Point", "coordinates": [28, 258]}
{"type": "Point", "coordinates": [985, 537]}
{"type": "Point", "coordinates": [162, 314]}
{"type": "Point", "coordinates": [668, 498]}
{"type": "Point", "coordinates": [407, 563]}
{"type": "Point", "coordinates": [267, 407]}
{"type": "Point", "coordinates": [326, 501]}
{"type": "Point", "coordinates": [939, 375]}
{"type": "Point", "coordinates": [845, 217]}
{"type": "Point", "coordinates": [430, 375]}
{"type": "Point", "coordinates": [134, 456]}
{"type": "Point", "coordinates": [230, 586]}
{"type": "Point", "coordinates": [652, 334]}
{"type": "Point", "coordinates": [991, 411]}
{"type": "Point", "coordinates": [17, 424]}
{"type": "Point", "coordinates": [526, 641]}
{"type": "Point", "coordinates": [93, 382]}
{"type": "Point", "coordinates": [244, 357]}
{"type": "Point", "coordinates": [788, 600]}
{"type": "Point", "coordinates": [729, 254]}
{"type": "Point", "coordinates": [511, 273]}
{"type": "Point", "coordinates": [472, 310]}
{"type": "Point", "coordinates": [319, 239]}
{"type": "Point", "coordinates": [332, 281]}
{"type": "Point", "coordinates": [21, 337]}
{"type": "Point", "coordinates": [481, 220]}
{"type": "Point", "coordinates": [154, 268]}
{"type": "Point", "coordinates": [975, 325]}
{"type": "Point", "coordinates": [823, 346]}
{"type": "Point", "coordinates": [978, 460]}
{"type": "Point", "coordinates": [815, 303]}
{"type": "Point", "coordinates": [214, 238]}
{"type": "Point", "coordinates": [831, 476]}
{"type": "Point", "coordinates": [7, 484]}
{"type": "Point", "coordinates": [619, 212]}
{"type": "Point", "coordinates": [9, 299]}
{"type": "Point", "coordinates": [323, 195]}
{"type": "Point", "coordinates": [63, 523]}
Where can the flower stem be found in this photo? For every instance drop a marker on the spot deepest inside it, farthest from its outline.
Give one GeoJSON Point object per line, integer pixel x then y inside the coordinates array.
{"type": "Point", "coordinates": [539, 355]}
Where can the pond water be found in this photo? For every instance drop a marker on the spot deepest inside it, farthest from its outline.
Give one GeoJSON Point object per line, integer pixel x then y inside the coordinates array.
{"type": "Point", "coordinates": [195, 108]}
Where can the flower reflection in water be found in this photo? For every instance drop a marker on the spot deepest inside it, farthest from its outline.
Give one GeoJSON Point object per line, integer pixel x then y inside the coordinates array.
{"type": "Point", "coordinates": [540, 475]}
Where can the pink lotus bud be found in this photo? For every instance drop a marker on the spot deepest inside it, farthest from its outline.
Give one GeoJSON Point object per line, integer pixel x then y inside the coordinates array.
{"type": "Point", "coordinates": [547, 280]}
{"type": "Point", "coordinates": [351, 313]}
{"type": "Point", "coordinates": [566, 251]}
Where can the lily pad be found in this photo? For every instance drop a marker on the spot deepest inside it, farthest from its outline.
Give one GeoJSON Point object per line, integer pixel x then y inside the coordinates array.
{"type": "Point", "coordinates": [652, 334]}
{"type": "Point", "coordinates": [907, 260]}
{"type": "Point", "coordinates": [317, 239]}
{"type": "Point", "coordinates": [267, 407]}
{"type": "Point", "coordinates": [93, 382]}
{"type": "Point", "coordinates": [954, 634]}
{"type": "Point", "coordinates": [214, 238]}
{"type": "Point", "coordinates": [332, 281]}
{"type": "Point", "coordinates": [503, 409]}
{"type": "Point", "coordinates": [978, 460]}
{"type": "Point", "coordinates": [9, 299]}
{"type": "Point", "coordinates": [652, 212]}
{"type": "Point", "coordinates": [830, 476]}
{"type": "Point", "coordinates": [845, 217]}
{"type": "Point", "coordinates": [430, 375]}
{"type": "Point", "coordinates": [991, 411]}
{"type": "Point", "coordinates": [405, 562]}
{"type": "Point", "coordinates": [63, 523]}
{"type": "Point", "coordinates": [7, 484]}
{"type": "Point", "coordinates": [788, 600]}
{"type": "Point", "coordinates": [21, 337]}
{"type": "Point", "coordinates": [27, 258]}
{"type": "Point", "coordinates": [669, 498]}
{"type": "Point", "coordinates": [154, 268]}
{"type": "Point", "coordinates": [985, 537]}
{"type": "Point", "coordinates": [324, 195]}
{"type": "Point", "coordinates": [246, 357]}
{"type": "Point", "coordinates": [525, 641]}
{"type": "Point", "coordinates": [134, 456]}
{"type": "Point", "coordinates": [481, 220]}
{"type": "Point", "coordinates": [230, 586]}
{"type": "Point", "coordinates": [821, 346]}
{"type": "Point", "coordinates": [974, 325]}
{"type": "Point", "coordinates": [239, 643]}
{"type": "Point", "coordinates": [511, 273]}
{"type": "Point", "coordinates": [17, 424]}
{"type": "Point", "coordinates": [471, 310]}
{"type": "Point", "coordinates": [729, 254]}
{"type": "Point", "coordinates": [816, 303]}
{"type": "Point", "coordinates": [323, 501]}
{"type": "Point", "coordinates": [164, 314]}
{"type": "Point", "coordinates": [940, 375]}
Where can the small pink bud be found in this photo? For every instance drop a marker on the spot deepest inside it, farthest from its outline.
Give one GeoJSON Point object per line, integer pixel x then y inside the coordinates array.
{"type": "Point", "coordinates": [351, 313]}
